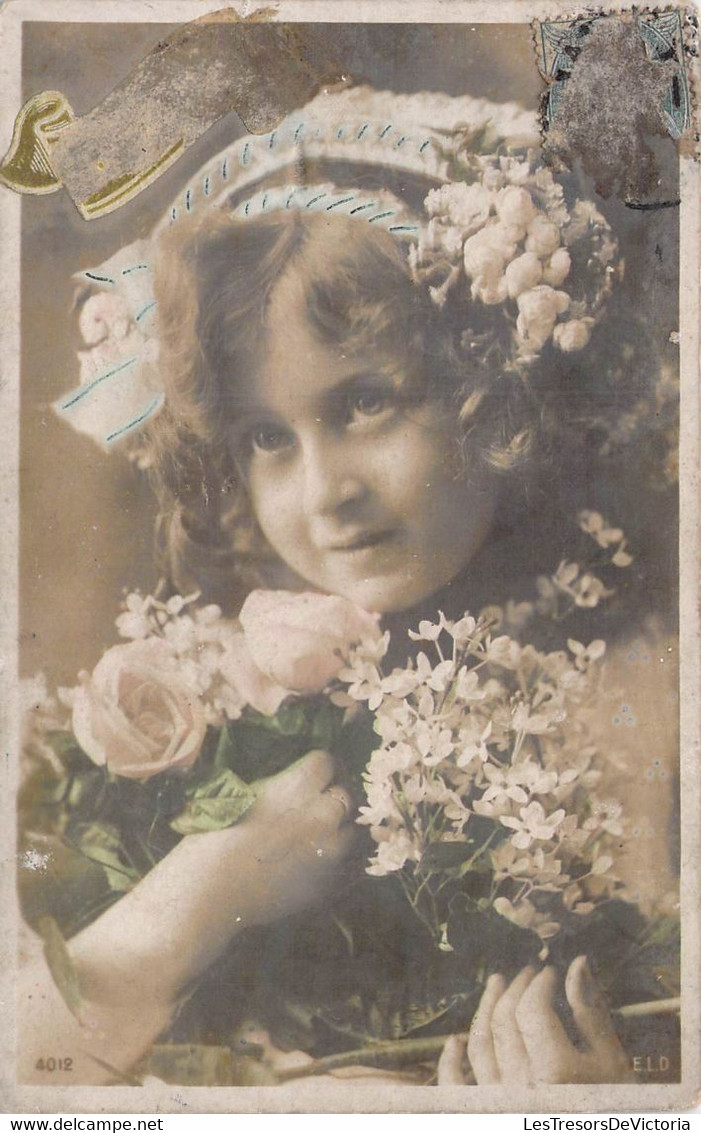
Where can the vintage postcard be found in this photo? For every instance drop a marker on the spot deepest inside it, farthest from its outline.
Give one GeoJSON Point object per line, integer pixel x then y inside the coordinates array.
{"type": "Point", "coordinates": [349, 485]}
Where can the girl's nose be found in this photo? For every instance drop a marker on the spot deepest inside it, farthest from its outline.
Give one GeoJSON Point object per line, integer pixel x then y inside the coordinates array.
{"type": "Point", "coordinates": [332, 477]}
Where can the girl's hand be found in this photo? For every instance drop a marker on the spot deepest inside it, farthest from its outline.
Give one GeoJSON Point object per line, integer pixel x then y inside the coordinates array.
{"type": "Point", "coordinates": [517, 1037]}
{"type": "Point", "coordinates": [298, 833]}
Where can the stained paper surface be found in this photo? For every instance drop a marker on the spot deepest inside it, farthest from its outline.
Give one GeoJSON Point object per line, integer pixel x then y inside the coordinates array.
{"type": "Point", "coordinates": [427, 367]}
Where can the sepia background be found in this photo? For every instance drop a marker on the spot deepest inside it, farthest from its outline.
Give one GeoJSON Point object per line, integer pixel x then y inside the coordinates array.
{"type": "Point", "coordinates": [87, 518]}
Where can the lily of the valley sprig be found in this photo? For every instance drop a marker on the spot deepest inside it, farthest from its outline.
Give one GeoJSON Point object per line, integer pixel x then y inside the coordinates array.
{"type": "Point", "coordinates": [486, 765]}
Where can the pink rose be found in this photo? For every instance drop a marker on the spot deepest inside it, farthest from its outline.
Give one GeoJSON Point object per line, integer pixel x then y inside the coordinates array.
{"type": "Point", "coordinates": [254, 686]}
{"type": "Point", "coordinates": [300, 641]}
{"type": "Point", "coordinates": [136, 714]}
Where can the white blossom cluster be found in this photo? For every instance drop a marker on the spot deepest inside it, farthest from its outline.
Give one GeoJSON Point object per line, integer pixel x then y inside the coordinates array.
{"type": "Point", "coordinates": [199, 638]}
{"type": "Point", "coordinates": [508, 230]}
{"type": "Point", "coordinates": [575, 585]}
{"type": "Point", "coordinates": [494, 729]}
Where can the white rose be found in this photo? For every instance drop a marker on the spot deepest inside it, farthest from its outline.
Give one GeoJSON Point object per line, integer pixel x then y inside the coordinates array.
{"type": "Point", "coordinates": [493, 179]}
{"type": "Point", "coordinates": [523, 273]}
{"type": "Point", "coordinates": [484, 265]}
{"type": "Point", "coordinates": [136, 714]}
{"type": "Point", "coordinates": [538, 311]}
{"type": "Point", "coordinates": [515, 206]}
{"type": "Point", "coordinates": [466, 207]}
{"type": "Point", "coordinates": [572, 335]}
{"type": "Point", "coordinates": [543, 236]}
{"type": "Point", "coordinates": [557, 268]}
{"type": "Point", "coordinates": [482, 258]}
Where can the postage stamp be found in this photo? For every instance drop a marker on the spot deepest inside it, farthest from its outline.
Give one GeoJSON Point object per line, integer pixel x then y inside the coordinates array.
{"type": "Point", "coordinates": [350, 485]}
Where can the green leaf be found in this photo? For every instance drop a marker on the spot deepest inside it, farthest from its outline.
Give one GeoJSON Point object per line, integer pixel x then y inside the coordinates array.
{"type": "Point", "coordinates": [68, 750]}
{"type": "Point", "coordinates": [60, 964]}
{"type": "Point", "coordinates": [357, 739]}
{"type": "Point", "coordinates": [327, 724]}
{"type": "Point", "coordinates": [72, 889]}
{"type": "Point", "coordinates": [214, 804]}
{"type": "Point", "coordinates": [102, 843]}
{"type": "Point", "coordinates": [225, 751]}
{"type": "Point", "coordinates": [291, 718]}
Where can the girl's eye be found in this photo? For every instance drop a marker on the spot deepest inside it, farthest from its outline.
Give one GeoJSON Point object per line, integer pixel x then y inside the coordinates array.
{"type": "Point", "coordinates": [269, 438]}
{"type": "Point", "coordinates": [370, 402]}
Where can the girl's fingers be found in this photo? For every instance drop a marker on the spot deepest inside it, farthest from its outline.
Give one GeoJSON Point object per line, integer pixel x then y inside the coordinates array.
{"type": "Point", "coordinates": [480, 1046]}
{"type": "Point", "coordinates": [450, 1063]}
{"type": "Point", "coordinates": [509, 1048]}
{"type": "Point", "coordinates": [588, 1005]}
{"type": "Point", "coordinates": [550, 1052]}
{"type": "Point", "coordinates": [593, 1018]}
{"type": "Point", "coordinates": [312, 773]}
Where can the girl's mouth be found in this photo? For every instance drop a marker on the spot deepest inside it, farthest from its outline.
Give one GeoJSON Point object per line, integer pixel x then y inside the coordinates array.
{"type": "Point", "coordinates": [361, 542]}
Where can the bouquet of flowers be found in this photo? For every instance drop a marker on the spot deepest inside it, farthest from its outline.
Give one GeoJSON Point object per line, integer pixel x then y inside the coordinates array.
{"type": "Point", "coordinates": [474, 766]}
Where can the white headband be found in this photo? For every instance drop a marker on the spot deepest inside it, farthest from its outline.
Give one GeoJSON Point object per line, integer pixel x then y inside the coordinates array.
{"type": "Point", "coordinates": [497, 222]}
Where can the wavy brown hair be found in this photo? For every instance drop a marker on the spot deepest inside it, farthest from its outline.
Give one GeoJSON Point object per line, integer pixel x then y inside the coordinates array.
{"type": "Point", "coordinates": [542, 431]}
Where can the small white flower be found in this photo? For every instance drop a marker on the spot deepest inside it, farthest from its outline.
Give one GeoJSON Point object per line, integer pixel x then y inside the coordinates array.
{"type": "Point", "coordinates": [606, 815]}
{"type": "Point", "coordinates": [565, 575]}
{"type": "Point", "coordinates": [524, 914]}
{"type": "Point", "coordinates": [546, 604]}
{"type": "Point", "coordinates": [428, 631]}
{"type": "Point", "coordinates": [472, 744]}
{"type": "Point", "coordinates": [589, 590]}
{"type": "Point", "coordinates": [532, 725]}
{"type": "Point", "coordinates": [463, 630]}
{"type": "Point", "coordinates": [585, 655]}
{"type": "Point", "coordinates": [517, 615]}
{"type": "Point", "coordinates": [504, 651]}
{"type": "Point", "coordinates": [467, 686]}
{"type": "Point", "coordinates": [504, 784]}
{"type": "Point", "coordinates": [622, 558]}
{"type": "Point", "coordinates": [393, 853]}
{"type": "Point", "coordinates": [532, 824]}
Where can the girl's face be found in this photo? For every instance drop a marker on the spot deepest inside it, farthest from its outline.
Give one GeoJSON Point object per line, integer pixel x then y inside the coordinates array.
{"type": "Point", "coordinates": [355, 487]}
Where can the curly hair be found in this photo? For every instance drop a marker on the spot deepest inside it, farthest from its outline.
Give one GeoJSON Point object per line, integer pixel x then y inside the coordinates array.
{"type": "Point", "coordinates": [215, 278]}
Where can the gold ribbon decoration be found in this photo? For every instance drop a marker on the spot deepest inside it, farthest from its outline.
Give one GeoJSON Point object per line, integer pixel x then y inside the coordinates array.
{"type": "Point", "coordinates": [189, 81]}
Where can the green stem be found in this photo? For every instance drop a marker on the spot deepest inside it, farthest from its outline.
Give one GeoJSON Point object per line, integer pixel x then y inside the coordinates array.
{"type": "Point", "coordinates": [385, 1055]}
{"type": "Point", "coordinates": [404, 1052]}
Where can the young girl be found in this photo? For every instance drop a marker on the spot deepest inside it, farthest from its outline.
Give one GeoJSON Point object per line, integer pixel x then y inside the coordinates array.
{"type": "Point", "coordinates": [378, 384]}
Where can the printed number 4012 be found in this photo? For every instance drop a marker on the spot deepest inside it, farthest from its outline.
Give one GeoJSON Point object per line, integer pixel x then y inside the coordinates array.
{"type": "Point", "coordinates": [52, 1064]}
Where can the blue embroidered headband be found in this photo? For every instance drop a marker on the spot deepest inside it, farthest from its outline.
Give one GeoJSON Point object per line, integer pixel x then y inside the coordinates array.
{"type": "Point", "coordinates": [494, 220]}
